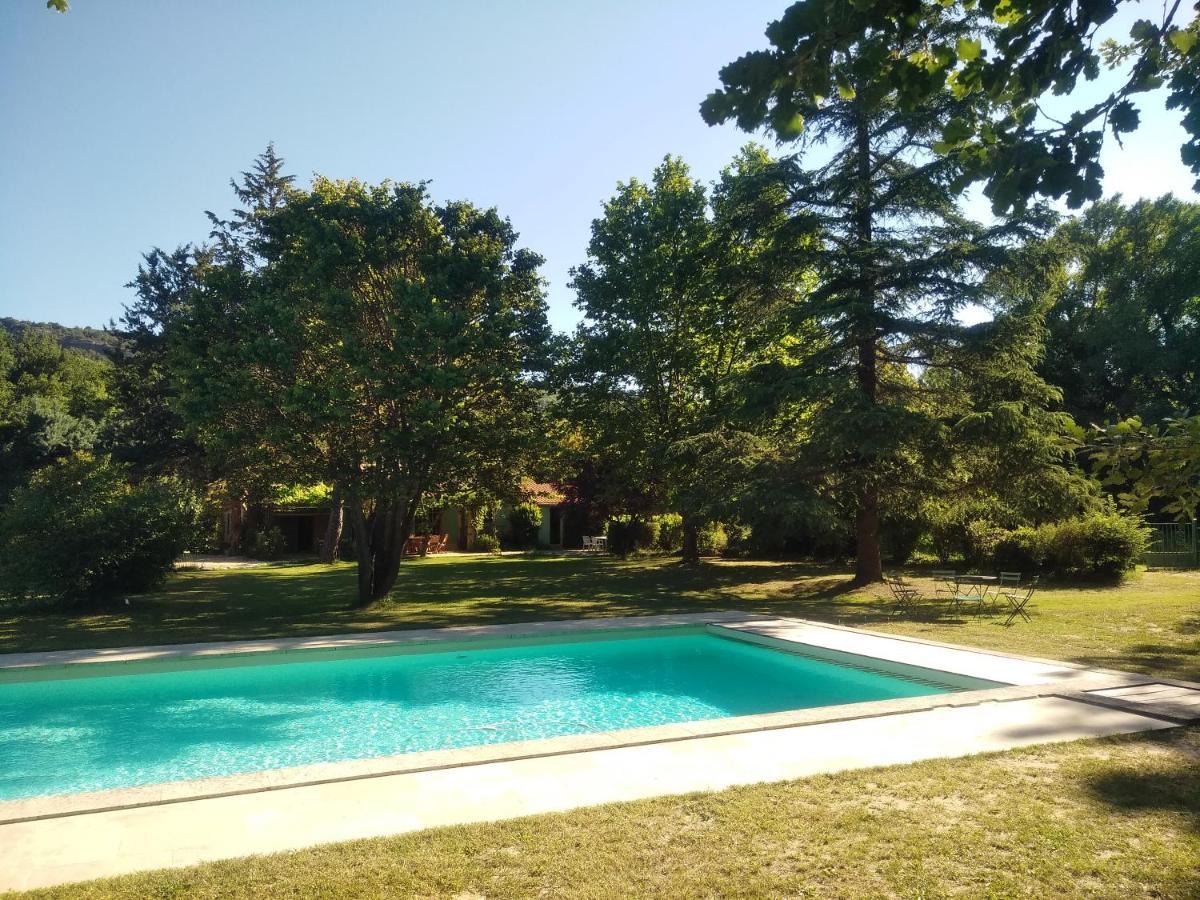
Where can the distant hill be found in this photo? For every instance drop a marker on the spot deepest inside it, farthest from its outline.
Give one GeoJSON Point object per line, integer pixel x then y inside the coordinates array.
{"type": "Point", "coordinates": [89, 340]}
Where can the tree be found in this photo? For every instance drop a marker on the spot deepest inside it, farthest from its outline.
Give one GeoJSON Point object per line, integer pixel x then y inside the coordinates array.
{"type": "Point", "coordinates": [53, 403]}
{"type": "Point", "coordinates": [1154, 467]}
{"type": "Point", "coordinates": [676, 309]}
{"type": "Point", "coordinates": [378, 343]}
{"type": "Point", "coordinates": [146, 429]}
{"type": "Point", "coordinates": [894, 258]}
{"type": "Point", "coordinates": [1124, 327]}
{"type": "Point", "coordinates": [1003, 57]}
{"type": "Point", "coordinates": [81, 530]}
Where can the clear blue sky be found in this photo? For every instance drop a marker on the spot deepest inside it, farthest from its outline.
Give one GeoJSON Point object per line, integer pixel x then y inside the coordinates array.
{"type": "Point", "coordinates": [122, 121]}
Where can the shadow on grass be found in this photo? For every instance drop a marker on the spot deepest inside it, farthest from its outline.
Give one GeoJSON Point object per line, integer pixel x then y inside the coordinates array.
{"type": "Point", "coordinates": [293, 599]}
{"type": "Point", "coordinates": [1169, 781]}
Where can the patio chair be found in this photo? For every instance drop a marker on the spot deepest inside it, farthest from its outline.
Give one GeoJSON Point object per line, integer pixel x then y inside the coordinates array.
{"type": "Point", "coordinates": [1009, 579]}
{"type": "Point", "coordinates": [1018, 601]}
{"type": "Point", "coordinates": [906, 596]}
{"type": "Point", "coordinates": [589, 543]}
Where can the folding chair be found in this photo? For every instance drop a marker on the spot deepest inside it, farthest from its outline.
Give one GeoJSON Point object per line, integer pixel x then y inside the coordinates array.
{"type": "Point", "coordinates": [906, 596]}
{"type": "Point", "coordinates": [1018, 602]}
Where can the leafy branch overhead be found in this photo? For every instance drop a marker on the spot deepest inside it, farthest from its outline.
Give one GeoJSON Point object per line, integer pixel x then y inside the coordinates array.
{"type": "Point", "coordinates": [1003, 58]}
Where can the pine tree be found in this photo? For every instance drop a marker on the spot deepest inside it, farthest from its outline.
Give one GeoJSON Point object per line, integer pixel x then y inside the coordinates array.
{"type": "Point", "coordinates": [894, 257]}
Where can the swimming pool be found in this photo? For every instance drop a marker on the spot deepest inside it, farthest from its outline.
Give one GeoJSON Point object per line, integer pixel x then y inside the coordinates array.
{"type": "Point", "coordinates": [87, 728]}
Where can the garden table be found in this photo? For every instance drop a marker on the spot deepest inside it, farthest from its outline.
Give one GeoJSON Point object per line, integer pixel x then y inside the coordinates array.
{"type": "Point", "coordinates": [973, 587]}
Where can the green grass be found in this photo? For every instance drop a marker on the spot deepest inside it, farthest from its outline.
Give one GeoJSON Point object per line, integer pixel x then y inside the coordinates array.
{"type": "Point", "coordinates": [1150, 623]}
{"type": "Point", "coordinates": [1113, 818]}
{"type": "Point", "coordinates": [1110, 818]}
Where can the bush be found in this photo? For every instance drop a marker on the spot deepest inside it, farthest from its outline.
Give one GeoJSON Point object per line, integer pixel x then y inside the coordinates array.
{"type": "Point", "coordinates": [670, 533]}
{"type": "Point", "coordinates": [486, 543]}
{"type": "Point", "coordinates": [266, 543]}
{"type": "Point", "coordinates": [711, 539]}
{"type": "Point", "coordinates": [80, 532]}
{"type": "Point", "coordinates": [1021, 550]}
{"type": "Point", "coordinates": [524, 520]}
{"type": "Point", "coordinates": [900, 537]}
{"type": "Point", "coordinates": [979, 541]}
{"type": "Point", "coordinates": [1102, 545]}
{"type": "Point", "coordinates": [739, 540]}
{"type": "Point", "coordinates": [628, 537]}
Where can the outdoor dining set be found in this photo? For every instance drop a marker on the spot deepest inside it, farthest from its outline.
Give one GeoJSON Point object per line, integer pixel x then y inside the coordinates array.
{"type": "Point", "coordinates": [1002, 593]}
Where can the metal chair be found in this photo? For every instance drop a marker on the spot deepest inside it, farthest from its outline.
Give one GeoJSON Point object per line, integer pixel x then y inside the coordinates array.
{"type": "Point", "coordinates": [1018, 602]}
{"type": "Point", "coordinates": [906, 596]}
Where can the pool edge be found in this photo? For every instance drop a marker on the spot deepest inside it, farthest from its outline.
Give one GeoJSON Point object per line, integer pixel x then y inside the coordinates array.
{"type": "Point", "coordinates": [1045, 679]}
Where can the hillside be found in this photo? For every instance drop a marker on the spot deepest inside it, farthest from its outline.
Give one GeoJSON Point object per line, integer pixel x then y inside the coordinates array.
{"type": "Point", "coordinates": [89, 340]}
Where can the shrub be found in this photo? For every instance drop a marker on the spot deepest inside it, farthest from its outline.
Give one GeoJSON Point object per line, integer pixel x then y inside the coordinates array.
{"type": "Point", "coordinates": [524, 520]}
{"type": "Point", "coordinates": [711, 539]}
{"type": "Point", "coordinates": [900, 537]}
{"type": "Point", "coordinates": [1021, 550]}
{"type": "Point", "coordinates": [266, 543]}
{"type": "Point", "coordinates": [670, 533]}
{"type": "Point", "coordinates": [979, 541]}
{"type": "Point", "coordinates": [81, 532]}
{"type": "Point", "coordinates": [1102, 545]}
{"type": "Point", "coordinates": [625, 537]}
{"type": "Point", "coordinates": [739, 540]}
{"type": "Point", "coordinates": [486, 543]}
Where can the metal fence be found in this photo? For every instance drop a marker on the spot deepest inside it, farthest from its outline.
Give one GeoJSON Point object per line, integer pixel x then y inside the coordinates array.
{"type": "Point", "coordinates": [1173, 545]}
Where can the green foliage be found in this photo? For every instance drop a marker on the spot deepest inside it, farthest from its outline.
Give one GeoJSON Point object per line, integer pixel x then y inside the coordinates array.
{"type": "Point", "coordinates": [266, 543]}
{"type": "Point", "coordinates": [712, 539]}
{"type": "Point", "coordinates": [900, 399]}
{"type": "Point", "coordinates": [486, 543]}
{"type": "Point", "coordinates": [80, 532]}
{"type": "Point", "coordinates": [670, 533]}
{"type": "Point", "coordinates": [524, 520]}
{"type": "Point", "coordinates": [901, 535]}
{"type": "Point", "coordinates": [1021, 550]}
{"type": "Point", "coordinates": [1100, 545]}
{"type": "Point", "coordinates": [53, 403]}
{"type": "Point", "coordinates": [1123, 330]}
{"type": "Point", "coordinates": [995, 58]}
{"type": "Point", "coordinates": [679, 302]}
{"type": "Point", "coordinates": [1154, 467]}
{"type": "Point", "coordinates": [1104, 545]}
{"type": "Point", "coordinates": [303, 495]}
{"type": "Point", "coordinates": [93, 341]}
{"type": "Point", "coordinates": [626, 536]}
{"type": "Point", "coordinates": [360, 335]}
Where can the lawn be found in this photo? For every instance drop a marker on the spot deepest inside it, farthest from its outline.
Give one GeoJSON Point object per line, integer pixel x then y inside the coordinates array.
{"type": "Point", "coordinates": [1110, 818]}
{"type": "Point", "coordinates": [1149, 623]}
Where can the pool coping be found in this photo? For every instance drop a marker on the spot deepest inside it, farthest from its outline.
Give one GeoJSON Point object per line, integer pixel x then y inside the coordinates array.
{"type": "Point", "coordinates": [1041, 677]}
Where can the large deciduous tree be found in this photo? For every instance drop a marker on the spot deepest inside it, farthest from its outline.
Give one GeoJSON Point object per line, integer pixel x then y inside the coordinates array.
{"type": "Point", "coordinates": [677, 306]}
{"type": "Point", "coordinates": [1124, 327]}
{"type": "Point", "coordinates": [895, 259]}
{"type": "Point", "coordinates": [374, 341]}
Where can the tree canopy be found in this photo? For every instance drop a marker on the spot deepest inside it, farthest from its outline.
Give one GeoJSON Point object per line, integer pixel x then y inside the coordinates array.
{"type": "Point", "coordinates": [378, 342]}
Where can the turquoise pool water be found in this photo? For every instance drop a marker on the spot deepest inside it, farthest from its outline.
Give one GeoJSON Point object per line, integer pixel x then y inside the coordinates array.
{"type": "Point", "coordinates": [137, 724]}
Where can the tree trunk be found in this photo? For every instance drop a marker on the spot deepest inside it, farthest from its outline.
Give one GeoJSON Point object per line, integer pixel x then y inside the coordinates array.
{"type": "Point", "coordinates": [333, 528]}
{"type": "Point", "coordinates": [379, 544]}
{"type": "Point", "coordinates": [691, 540]}
{"type": "Point", "coordinates": [868, 563]}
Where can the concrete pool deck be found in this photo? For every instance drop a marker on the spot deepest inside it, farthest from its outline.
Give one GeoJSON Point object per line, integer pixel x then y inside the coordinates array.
{"type": "Point", "coordinates": [51, 840]}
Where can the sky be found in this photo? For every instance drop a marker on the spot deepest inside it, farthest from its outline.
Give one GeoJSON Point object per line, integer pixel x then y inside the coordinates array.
{"type": "Point", "coordinates": [122, 121]}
